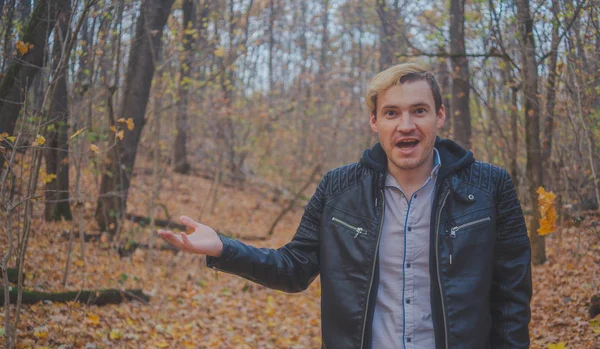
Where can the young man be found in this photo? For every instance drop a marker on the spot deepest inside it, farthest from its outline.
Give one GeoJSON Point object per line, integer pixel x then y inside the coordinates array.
{"type": "Point", "coordinates": [418, 245]}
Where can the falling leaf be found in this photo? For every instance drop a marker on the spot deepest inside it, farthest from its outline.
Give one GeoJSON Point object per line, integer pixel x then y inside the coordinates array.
{"type": "Point", "coordinates": [547, 211]}
{"type": "Point", "coordinates": [76, 133]}
{"type": "Point", "coordinates": [94, 148]}
{"type": "Point", "coordinates": [120, 134]}
{"type": "Point", "coordinates": [39, 140]}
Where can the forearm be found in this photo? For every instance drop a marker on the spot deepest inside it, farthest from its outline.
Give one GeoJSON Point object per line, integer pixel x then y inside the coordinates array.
{"type": "Point", "coordinates": [290, 268]}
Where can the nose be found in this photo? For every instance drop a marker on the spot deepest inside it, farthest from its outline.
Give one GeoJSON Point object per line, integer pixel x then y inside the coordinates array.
{"type": "Point", "coordinates": [405, 123]}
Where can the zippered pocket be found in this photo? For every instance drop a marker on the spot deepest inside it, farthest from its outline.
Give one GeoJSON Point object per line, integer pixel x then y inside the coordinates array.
{"type": "Point", "coordinates": [455, 229]}
{"type": "Point", "coordinates": [357, 230]}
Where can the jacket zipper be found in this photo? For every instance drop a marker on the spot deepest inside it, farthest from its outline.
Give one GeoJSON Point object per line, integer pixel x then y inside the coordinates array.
{"type": "Point", "coordinates": [362, 338]}
{"type": "Point", "coordinates": [358, 230]}
{"type": "Point", "coordinates": [459, 227]}
{"type": "Point", "coordinates": [437, 258]}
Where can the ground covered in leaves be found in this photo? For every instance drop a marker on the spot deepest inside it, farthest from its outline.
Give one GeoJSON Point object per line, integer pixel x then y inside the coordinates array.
{"type": "Point", "coordinates": [194, 307]}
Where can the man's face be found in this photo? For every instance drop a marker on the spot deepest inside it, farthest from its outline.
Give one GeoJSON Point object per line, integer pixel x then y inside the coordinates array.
{"type": "Point", "coordinates": [407, 124]}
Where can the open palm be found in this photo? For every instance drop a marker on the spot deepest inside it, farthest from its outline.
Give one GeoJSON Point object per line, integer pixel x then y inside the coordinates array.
{"type": "Point", "coordinates": [204, 240]}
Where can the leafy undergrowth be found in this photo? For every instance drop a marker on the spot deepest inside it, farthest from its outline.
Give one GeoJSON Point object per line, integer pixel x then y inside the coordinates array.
{"type": "Point", "coordinates": [194, 307]}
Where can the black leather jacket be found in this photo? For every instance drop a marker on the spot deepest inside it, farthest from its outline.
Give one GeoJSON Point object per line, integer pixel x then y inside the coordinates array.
{"type": "Point", "coordinates": [479, 300]}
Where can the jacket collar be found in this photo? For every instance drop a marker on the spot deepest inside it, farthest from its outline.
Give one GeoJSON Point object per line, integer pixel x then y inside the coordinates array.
{"type": "Point", "coordinates": [453, 157]}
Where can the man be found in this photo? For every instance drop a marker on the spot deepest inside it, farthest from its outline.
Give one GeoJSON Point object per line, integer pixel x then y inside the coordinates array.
{"type": "Point", "coordinates": [418, 245]}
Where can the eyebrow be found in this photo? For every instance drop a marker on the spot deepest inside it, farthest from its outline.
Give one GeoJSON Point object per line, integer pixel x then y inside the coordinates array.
{"type": "Point", "coordinates": [414, 105]}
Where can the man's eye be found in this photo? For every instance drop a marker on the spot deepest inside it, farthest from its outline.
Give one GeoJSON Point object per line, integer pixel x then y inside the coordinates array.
{"type": "Point", "coordinates": [390, 113]}
{"type": "Point", "coordinates": [420, 110]}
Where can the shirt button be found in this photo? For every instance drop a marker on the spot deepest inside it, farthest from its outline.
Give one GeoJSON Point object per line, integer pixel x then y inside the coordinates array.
{"type": "Point", "coordinates": [415, 196]}
{"type": "Point", "coordinates": [408, 265]}
{"type": "Point", "coordinates": [408, 301]}
{"type": "Point", "coordinates": [408, 340]}
{"type": "Point", "coordinates": [409, 229]}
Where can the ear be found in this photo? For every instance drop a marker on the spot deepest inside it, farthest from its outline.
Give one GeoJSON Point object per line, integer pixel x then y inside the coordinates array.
{"type": "Point", "coordinates": [373, 122]}
{"type": "Point", "coordinates": [441, 117]}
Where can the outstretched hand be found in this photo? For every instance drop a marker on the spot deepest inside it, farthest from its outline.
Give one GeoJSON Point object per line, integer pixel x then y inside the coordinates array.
{"type": "Point", "coordinates": [204, 240]}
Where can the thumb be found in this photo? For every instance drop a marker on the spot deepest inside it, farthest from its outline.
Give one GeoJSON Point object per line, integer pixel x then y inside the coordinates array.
{"type": "Point", "coordinates": [189, 222]}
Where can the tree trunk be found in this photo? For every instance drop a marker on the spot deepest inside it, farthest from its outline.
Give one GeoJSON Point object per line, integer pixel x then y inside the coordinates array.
{"type": "Point", "coordinates": [551, 92]}
{"type": "Point", "coordinates": [391, 34]}
{"type": "Point", "coordinates": [532, 125]}
{"type": "Point", "coordinates": [180, 153]}
{"type": "Point", "coordinates": [57, 160]}
{"type": "Point", "coordinates": [446, 90]}
{"type": "Point", "coordinates": [116, 178]}
{"type": "Point", "coordinates": [23, 68]}
{"type": "Point", "coordinates": [460, 75]}
{"type": "Point", "coordinates": [99, 297]}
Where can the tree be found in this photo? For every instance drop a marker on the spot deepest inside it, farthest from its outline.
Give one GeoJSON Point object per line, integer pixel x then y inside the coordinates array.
{"type": "Point", "coordinates": [531, 106]}
{"type": "Point", "coordinates": [56, 155]}
{"type": "Point", "coordinates": [391, 33]}
{"type": "Point", "coordinates": [116, 179]}
{"type": "Point", "coordinates": [22, 70]}
{"type": "Point", "coordinates": [461, 114]}
{"type": "Point", "coordinates": [180, 154]}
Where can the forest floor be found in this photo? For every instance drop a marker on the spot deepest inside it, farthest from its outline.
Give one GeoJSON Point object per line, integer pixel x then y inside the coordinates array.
{"type": "Point", "coordinates": [192, 306]}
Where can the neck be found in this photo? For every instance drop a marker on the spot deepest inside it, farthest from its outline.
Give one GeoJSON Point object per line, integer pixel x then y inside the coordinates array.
{"type": "Point", "coordinates": [411, 180]}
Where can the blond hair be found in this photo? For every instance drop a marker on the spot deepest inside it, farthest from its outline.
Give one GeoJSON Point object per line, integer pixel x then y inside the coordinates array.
{"type": "Point", "coordinates": [397, 75]}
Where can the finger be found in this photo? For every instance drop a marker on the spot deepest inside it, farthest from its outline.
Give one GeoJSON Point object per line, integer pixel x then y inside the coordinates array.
{"type": "Point", "coordinates": [189, 222]}
{"type": "Point", "coordinates": [187, 243]}
{"type": "Point", "coordinates": [172, 238]}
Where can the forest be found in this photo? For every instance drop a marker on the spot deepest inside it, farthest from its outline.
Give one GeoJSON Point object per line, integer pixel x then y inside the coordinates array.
{"type": "Point", "coordinates": [117, 117]}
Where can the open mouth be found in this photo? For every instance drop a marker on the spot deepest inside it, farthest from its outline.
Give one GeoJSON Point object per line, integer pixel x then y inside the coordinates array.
{"type": "Point", "coordinates": [407, 145]}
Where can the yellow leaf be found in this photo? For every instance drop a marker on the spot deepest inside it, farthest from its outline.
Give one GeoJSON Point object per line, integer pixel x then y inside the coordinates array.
{"type": "Point", "coordinates": [113, 129]}
{"type": "Point", "coordinates": [41, 334]}
{"type": "Point", "coordinates": [560, 345]}
{"type": "Point", "coordinates": [116, 334]}
{"type": "Point", "coordinates": [79, 263]}
{"type": "Point", "coordinates": [39, 140]}
{"type": "Point", "coordinates": [130, 124]}
{"type": "Point", "coordinates": [76, 133]}
{"type": "Point", "coordinates": [94, 148]}
{"type": "Point", "coordinates": [162, 344]}
{"type": "Point", "coordinates": [220, 52]}
{"type": "Point", "coordinates": [547, 211]}
{"type": "Point", "coordinates": [93, 319]}
{"type": "Point", "coordinates": [23, 47]}
{"type": "Point", "coordinates": [49, 178]}
{"type": "Point", "coordinates": [122, 120]}
{"type": "Point", "coordinates": [120, 134]}
{"type": "Point", "coordinates": [595, 325]}
{"type": "Point", "coordinates": [11, 138]}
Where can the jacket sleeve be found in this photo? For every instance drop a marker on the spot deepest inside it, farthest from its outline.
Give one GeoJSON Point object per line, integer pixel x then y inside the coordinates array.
{"type": "Point", "coordinates": [511, 284]}
{"type": "Point", "coordinates": [290, 268]}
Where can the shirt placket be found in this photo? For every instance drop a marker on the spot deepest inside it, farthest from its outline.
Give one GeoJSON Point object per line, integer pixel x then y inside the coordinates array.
{"type": "Point", "coordinates": [409, 292]}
